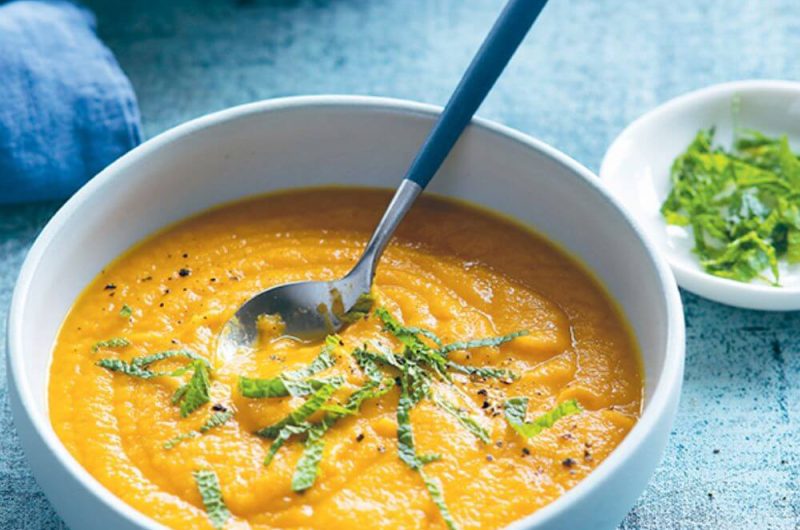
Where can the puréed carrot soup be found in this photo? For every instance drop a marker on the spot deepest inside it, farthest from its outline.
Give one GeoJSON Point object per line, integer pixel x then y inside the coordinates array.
{"type": "Point", "coordinates": [488, 374]}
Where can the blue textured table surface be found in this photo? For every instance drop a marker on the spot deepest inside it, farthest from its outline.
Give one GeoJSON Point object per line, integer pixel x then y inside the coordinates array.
{"type": "Point", "coordinates": [587, 69]}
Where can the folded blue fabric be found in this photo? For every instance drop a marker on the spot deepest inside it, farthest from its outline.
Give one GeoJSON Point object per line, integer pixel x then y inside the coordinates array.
{"type": "Point", "coordinates": [66, 108]}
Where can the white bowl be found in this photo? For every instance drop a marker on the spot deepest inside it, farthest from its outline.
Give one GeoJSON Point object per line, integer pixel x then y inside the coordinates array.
{"type": "Point", "coordinates": [343, 140]}
{"type": "Point", "coordinates": [636, 170]}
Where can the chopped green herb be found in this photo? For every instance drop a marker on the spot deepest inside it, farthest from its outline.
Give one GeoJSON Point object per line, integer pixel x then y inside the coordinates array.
{"type": "Point", "coordinates": [367, 364]}
{"type": "Point", "coordinates": [281, 387]}
{"type": "Point", "coordinates": [464, 419]}
{"type": "Point", "coordinates": [218, 418]}
{"type": "Point", "coordinates": [115, 342]}
{"type": "Point", "coordinates": [190, 396]}
{"type": "Point", "coordinates": [126, 311]}
{"type": "Point", "coordinates": [434, 487]}
{"type": "Point", "coordinates": [481, 343]}
{"type": "Point", "coordinates": [516, 410]}
{"type": "Point", "coordinates": [485, 372]}
{"type": "Point", "coordinates": [407, 335]}
{"type": "Point", "coordinates": [139, 366]}
{"type": "Point", "coordinates": [408, 454]}
{"type": "Point", "coordinates": [336, 409]}
{"type": "Point", "coordinates": [263, 388]}
{"type": "Point", "coordinates": [215, 420]}
{"type": "Point", "coordinates": [194, 394]}
{"type": "Point", "coordinates": [743, 205]}
{"type": "Point", "coordinates": [208, 485]}
{"type": "Point", "coordinates": [323, 361]}
{"type": "Point", "coordinates": [302, 413]}
{"type": "Point", "coordinates": [405, 434]}
{"type": "Point", "coordinates": [427, 459]}
{"type": "Point", "coordinates": [291, 382]}
{"type": "Point", "coordinates": [284, 435]}
{"type": "Point", "coordinates": [417, 354]}
{"type": "Point", "coordinates": [308, 466]}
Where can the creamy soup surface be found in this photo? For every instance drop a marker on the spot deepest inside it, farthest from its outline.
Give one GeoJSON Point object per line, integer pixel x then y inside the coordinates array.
{"type": "Point", "coordinates": [454, 270]}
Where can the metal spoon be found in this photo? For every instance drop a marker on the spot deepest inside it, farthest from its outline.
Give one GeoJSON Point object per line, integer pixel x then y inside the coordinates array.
{"type": "Point", "coordinates": [312, 309]}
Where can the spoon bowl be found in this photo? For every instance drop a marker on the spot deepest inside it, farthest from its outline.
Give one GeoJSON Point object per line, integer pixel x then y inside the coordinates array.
{"type": "Point", "coordinates": [309, 310]}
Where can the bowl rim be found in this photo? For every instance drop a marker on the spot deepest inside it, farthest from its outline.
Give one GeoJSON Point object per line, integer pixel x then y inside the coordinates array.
{"type": "Point", "coordinates": [764, 297]}
{"type": "Point", "coordinates": [665, 393]}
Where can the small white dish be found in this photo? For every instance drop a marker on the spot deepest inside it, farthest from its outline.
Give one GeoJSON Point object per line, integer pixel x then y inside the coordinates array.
{"type": "Point", "coordinates": [637, 165]}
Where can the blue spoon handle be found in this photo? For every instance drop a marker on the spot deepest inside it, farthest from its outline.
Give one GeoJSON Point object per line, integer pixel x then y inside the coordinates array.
{"type": "Point", "coordinates": [495, 52]}
{"type": "Point", "coordinates": [487, 65]}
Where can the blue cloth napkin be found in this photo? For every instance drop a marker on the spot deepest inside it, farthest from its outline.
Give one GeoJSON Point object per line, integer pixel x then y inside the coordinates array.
{"type": "Point", "coordinates": [66, 108]}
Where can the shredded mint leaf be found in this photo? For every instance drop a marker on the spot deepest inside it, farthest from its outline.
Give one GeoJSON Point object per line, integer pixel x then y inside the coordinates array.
{"type": "Point", "coordinates": [263, 388]}
{"type": "Point", "coordinates": [434, 487]}
{"type": "Point", "coordinates": [114, 342]}
{"type": "Point", "coordinates": [336, 409]}
{"type": "Point", "coordinates": [126, 311]}
{"type": "Point", "coordinates": [481, 343]}
{"type": "Point", "coordinates": [408, 454]}
{"type": "Point", "coordinates": [367, 361]}
{"type": "Point", "coordinates": [208, 485]}
{"type": "Point", "coordinates": [218, 418]}
{"type": "Point", "coordinates": [426, 333]}
{"type": "Point", "coordinates": [516, 410]}
{"type": "Point", "coordinates": [371, 390]}
{"type": "Point", "coordinates": [742, 204]}
{"type": "Point", "coordinates": [484, 372]}
{"type": "Point", "coordinates": [215, 420]}
{"type": "Point", "coordinates": [281, 387]}
{"type": "Point", "coordinates": [418, 354]}
{"type": "Point", "coordinates": [172, 442]}
{"type": "Point", "coordinates": [367, 364]}
{"type": "Point", "coordinates": [293, 382]}
{"type": "Point", "coordinates": [405, 434]}
{"type": "Point", "coordinates": [195, 393]}
{"type": "Point", "coordinates": [302, 413]}
{"type": "Point", "coordinates": [140, 366]}
{"type": "Point", "coordinates": [118, 365]}
{"type": "Point", "coordinates": [427, 459]}
{"type": "Point", "coordinates": [308, 466]}
{"type": "Point", "coordinates": [323, 361]}
{"type": "Point", "coordinates": [190, 396]}
{"type": "Point", "coordinates": [407, 335]}
{"type": "Point", "coordinates": [283, 436]}
{"type": "Point", "coordinates": [464, 419]}
{"type": "Point", "coordinates": [793, 245]}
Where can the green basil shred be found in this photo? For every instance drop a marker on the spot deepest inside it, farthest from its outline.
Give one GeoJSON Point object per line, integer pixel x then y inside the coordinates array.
{"type": "Point", "coordinates": [742, 204]}
{"type": "Point", "coordinates": [189, 396]}
{"type": "Point", "coordinates": [215, 420]}
{"type": "Point", "coordinates": [516, 410]}
{"type": "Point", "coordinates": [208, 485]}
{"type": "Point", "coordinates": [114, 342]}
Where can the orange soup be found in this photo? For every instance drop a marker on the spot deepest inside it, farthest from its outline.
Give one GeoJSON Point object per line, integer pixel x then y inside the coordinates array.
{"type": "Point", "coordinates": [491, 373]}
